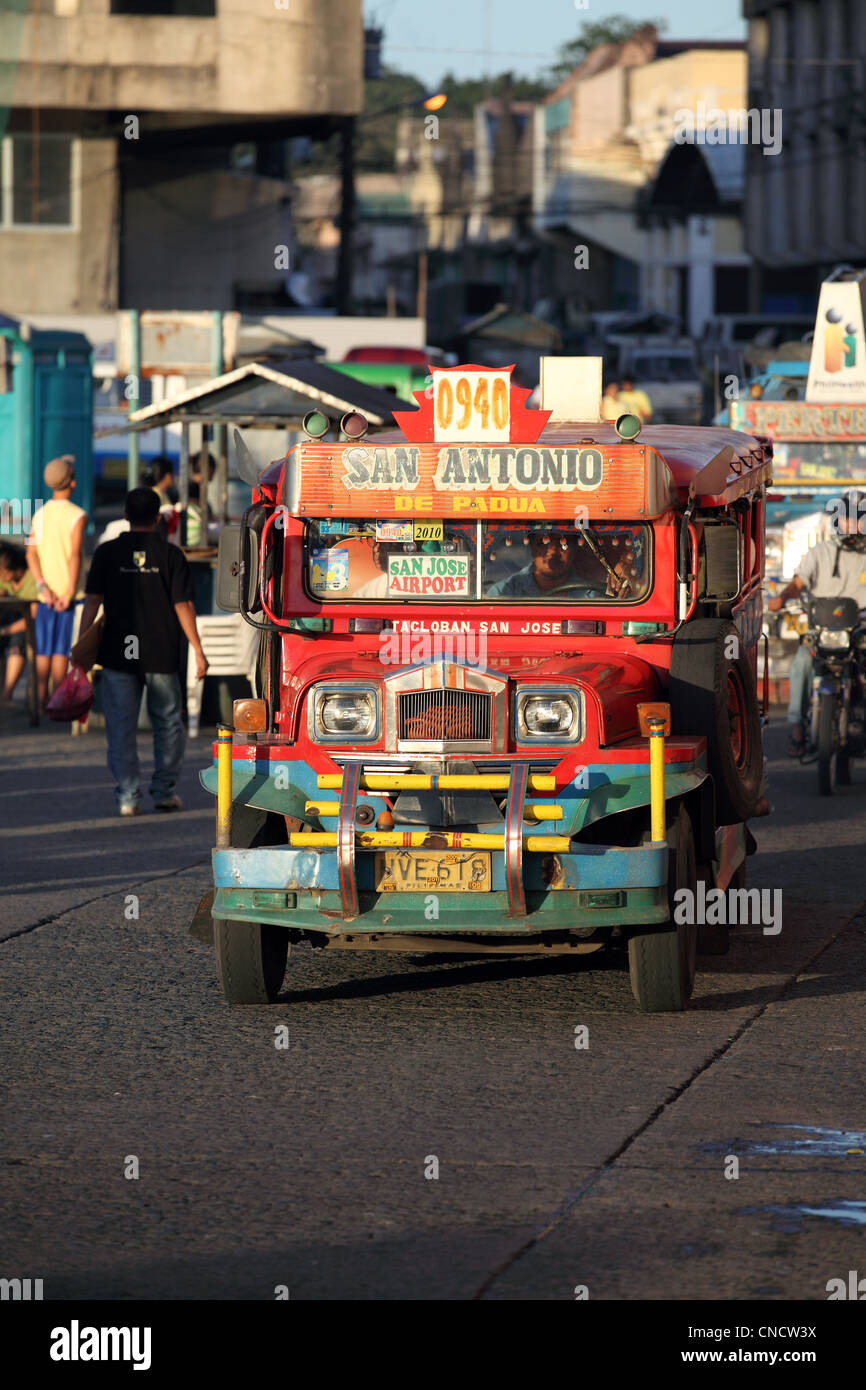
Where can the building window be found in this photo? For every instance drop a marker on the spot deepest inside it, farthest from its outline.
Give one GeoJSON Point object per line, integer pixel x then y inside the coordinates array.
{"type": "Point", "coordinates": [37, 181]}
{"type": "Point", "coordinates": [188, 9]}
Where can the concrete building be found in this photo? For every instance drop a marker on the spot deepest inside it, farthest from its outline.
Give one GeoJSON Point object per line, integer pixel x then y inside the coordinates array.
{"type": "Point", "coordinates": [144, 147]}
{"type": "Point", "coordinates": [601, 198]}
{"type": "Point", "coordinates": [695, 264]}
{"type": "Point", "coordinates": [805, 207]}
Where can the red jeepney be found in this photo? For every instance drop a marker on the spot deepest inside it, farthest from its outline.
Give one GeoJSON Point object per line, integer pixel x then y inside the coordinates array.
{"type": "Point", "coordinates": [507, 694]}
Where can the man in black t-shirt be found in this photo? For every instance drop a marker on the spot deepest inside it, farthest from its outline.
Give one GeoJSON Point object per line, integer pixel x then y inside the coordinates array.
{"type": "Point", "coordinates": [145, 587]}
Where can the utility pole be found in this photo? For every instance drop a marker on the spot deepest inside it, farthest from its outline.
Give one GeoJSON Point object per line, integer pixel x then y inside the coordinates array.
{"type": "Point", "coordinates": [343, 293]}
{"type": "Point", "coordinates": [421, 303]}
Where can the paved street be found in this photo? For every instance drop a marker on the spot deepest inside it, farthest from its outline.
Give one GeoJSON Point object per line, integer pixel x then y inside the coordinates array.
{"type": "Point", "coordinates": [305, 1167]}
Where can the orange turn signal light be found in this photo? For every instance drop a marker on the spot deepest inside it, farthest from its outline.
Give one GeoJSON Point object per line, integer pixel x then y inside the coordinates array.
{"type": "Point", "coordinates": [653, 710]}
{"type": "Point", "coordinates": [250, 716]}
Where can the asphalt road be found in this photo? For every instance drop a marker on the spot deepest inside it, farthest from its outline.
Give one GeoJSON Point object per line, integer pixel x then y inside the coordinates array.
{"type": "Point", "coordinates": [558, 1167]}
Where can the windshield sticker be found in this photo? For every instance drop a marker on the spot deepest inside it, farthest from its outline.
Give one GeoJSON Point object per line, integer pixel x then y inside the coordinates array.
{"type": "Point", "coordinates": [428, 531]}
{"type": "Point", "coordinates": [394, 531]}
{"type": "Point", "coordinates": [330, 571]}
{"type": "Point", "coordinates": [339, 528]}
{"type": "Point", "coordinates": [428, 574]}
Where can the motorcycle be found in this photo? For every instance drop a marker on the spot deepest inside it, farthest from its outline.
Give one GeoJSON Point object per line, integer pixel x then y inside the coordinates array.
{"type": "Point", "coordinates": [836, 637]}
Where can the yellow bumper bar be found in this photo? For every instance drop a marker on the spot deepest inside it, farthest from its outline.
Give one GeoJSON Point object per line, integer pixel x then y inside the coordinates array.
{"type": "Point", "coordinates": [534, 813]}
{"type": "Point", "coordinates": [425, 839]}
{"type": "Point", "coordinates": [434, 781]}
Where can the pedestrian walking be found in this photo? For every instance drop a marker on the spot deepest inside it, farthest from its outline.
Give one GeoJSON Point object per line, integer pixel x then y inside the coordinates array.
{"type": "Point", "coordinates": [54, 559]}
{"type": "Point", "coordinates": [145, 587]}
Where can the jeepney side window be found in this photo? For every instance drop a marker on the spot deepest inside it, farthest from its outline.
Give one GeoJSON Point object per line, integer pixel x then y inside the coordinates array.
{"type": "Point", "coordinates": [744, 523]}
{"type": "Point", "coordinates": [757, 534]}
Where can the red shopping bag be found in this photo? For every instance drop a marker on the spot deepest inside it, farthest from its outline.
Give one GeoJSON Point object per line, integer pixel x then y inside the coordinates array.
{"type": "Point", "coordinates": [72, 698]}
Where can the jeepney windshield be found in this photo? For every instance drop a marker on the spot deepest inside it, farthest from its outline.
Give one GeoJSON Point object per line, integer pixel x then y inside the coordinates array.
{"type": "Point", "coordinates": [456, 562]}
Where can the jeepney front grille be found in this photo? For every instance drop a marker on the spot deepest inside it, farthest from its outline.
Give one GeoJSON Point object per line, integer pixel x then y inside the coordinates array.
{"type": "Point", "coordinates": [457, 716]}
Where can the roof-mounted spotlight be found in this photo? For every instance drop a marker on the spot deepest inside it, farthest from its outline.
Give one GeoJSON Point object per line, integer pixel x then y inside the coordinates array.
{"type": "Point", "coordinates": [628, 426]}
{"type": "Point", "coordinates": [353, 425]}
{"type": "Point", "coordinates": [316, 424]}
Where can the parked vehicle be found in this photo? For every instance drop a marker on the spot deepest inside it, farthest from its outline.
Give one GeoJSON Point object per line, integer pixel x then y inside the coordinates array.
{"type": "Point", "coordinates": [477, 634]}
{"type": "Point", "coordinates": [726, 336]}
{"type": "Point", "coordinates": [400, 377]}
{"type": "Point", "coordinates": [407, 356]}
{"type": "Point", "coordinates": [668, 372]}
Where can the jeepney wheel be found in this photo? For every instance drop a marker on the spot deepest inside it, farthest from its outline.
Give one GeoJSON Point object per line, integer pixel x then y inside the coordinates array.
{"type": "Point", "coordinates": [714, 694]}
{"type": "Point", "coordinates": [251, 960]}
{"type": "Point", "coordinates": [251, 956]}
{"type": "Point", "coordinates": [714, 938]}
{"type": "Point", "coordinates": [662, 961]}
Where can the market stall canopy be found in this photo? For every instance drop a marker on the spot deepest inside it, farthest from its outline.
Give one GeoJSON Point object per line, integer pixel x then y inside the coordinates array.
{"type": "Point", "coordinates": [272, 395]}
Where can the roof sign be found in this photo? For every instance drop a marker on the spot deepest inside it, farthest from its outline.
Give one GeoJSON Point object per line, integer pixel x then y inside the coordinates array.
{"type": "Point", "coordinates": [837, 370]}
{"type": "Point", "coordinates": [472, 404]}
{"type": "Point", "coordinates": [477, 480]}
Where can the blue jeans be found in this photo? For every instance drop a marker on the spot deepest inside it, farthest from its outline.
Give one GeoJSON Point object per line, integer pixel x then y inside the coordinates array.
{"type": "Point", "coordinates": [800, 695]}
{"type": "Point", "coordinates": [121, 700]}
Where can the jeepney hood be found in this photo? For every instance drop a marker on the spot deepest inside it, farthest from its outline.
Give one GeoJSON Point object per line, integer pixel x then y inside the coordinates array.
{"type": "Point", "coordinates": [614, 684]}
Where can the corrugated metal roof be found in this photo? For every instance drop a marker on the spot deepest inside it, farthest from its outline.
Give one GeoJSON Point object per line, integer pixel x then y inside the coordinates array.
{"type": "Point", "coordinates": [301, 385]}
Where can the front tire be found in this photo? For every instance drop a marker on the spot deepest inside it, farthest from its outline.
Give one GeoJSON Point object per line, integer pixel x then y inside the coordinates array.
{"type": "Point", "coordinates": [662, 963]}
{"type": "Point", "coordinates": [714, 694]}
{"type": "Point", "coordinates": [251, 956]}
{"type": "Point", "coordinates": [826, 743]}
{"type": "Point", "coordinates": [251, 960]}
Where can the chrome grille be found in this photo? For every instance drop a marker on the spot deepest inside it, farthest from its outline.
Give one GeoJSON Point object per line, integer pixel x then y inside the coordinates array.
{"type": "Point", "coordinates": [457, 716]}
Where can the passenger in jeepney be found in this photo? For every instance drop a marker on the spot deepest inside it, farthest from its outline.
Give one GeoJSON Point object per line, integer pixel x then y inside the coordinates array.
{"type": "Point", "coordinates": [381, 553]}
{"type": "Point", "coordinates": [835, 568]}
{"type": "Point", "coordinates": [383, 550]}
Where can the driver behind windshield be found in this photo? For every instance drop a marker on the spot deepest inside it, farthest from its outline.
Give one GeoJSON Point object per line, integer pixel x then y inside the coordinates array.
{"type": "Point", "coordinates": [553, 554]}
{"type": "Point", "coordinates": [559, 561]}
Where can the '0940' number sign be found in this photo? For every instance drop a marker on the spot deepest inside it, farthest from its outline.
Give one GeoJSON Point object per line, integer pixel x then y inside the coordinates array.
{"type": "Point", "coordinates": [470, 406]}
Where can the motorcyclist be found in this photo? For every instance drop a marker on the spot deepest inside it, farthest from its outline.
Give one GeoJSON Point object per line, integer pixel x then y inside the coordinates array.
{"type": "Point", "coordinates": [835, 568]}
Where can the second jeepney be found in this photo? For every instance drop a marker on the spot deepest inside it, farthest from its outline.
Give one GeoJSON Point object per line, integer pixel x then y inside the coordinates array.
{"type": "Point", "coordinates": [507, 696]}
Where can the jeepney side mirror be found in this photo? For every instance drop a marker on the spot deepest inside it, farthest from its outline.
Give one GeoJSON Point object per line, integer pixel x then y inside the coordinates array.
{"type": "Point", "coordinates": [230, 570]}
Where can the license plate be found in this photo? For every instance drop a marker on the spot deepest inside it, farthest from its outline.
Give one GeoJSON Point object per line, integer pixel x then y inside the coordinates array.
{"type": "Point", "coordinates": [443, 870]}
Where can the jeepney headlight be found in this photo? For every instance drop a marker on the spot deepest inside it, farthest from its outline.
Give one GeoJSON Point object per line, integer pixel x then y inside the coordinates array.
{"type": "Point", "coordinates": [834, 639]}
{"type": "Point", "coordinates": [550, 716]}
{"type": "Point", "coordinates": [341, 712]}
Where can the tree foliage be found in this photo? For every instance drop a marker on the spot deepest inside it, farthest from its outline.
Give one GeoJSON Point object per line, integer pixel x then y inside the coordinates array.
{"type": "Point", "coordinates": [616, 28]}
